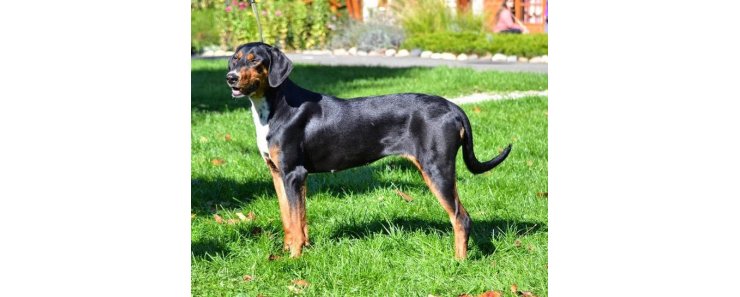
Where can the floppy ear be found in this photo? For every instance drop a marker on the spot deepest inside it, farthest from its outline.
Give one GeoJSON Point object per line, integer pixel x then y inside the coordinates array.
{"type": "Point", "coordinates": [280, 67]}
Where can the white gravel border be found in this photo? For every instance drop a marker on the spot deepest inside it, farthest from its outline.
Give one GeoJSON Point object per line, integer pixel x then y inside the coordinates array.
{"type": "Point", "coordinates": [481, 97]}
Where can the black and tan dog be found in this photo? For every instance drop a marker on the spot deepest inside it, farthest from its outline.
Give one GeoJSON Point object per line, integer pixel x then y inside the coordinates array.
{"type": "Point", "coordinates": [301, 132]}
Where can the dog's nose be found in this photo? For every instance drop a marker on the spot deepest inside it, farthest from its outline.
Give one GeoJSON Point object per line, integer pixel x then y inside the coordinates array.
{"type": "Point", "coordinates": [231, 78]}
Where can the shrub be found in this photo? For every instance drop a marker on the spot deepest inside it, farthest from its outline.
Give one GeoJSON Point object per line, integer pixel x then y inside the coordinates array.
{"type": "Point", "coordinates": [367, 36]}
{"type": "Point", "coordinates": [424, 16]}
{"type": "Point", "coordinates": [285, 23]}
{"type": "Point", "coordinates": [204, 30]}
{"type": "Point", "coordinates": [526, 45]}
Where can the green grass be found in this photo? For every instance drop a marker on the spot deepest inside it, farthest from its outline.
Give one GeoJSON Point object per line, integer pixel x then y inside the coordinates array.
{"type": "Point", "coordinates": [366, 240]}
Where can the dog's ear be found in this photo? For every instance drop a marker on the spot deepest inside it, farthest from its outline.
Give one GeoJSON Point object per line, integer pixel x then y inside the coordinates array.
{"type": "Point", "coordinates": [280, 67]}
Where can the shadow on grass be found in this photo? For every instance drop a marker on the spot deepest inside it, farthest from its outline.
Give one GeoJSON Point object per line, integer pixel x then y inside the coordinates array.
{"type": "Point", "coordinates": [205, 249]}
{"type": "Point", "coordinates": [210, 195]}
{"type": "Point", "coordinates": [480, 233]}
{"type": "Point", "coordinates": [209, 91]}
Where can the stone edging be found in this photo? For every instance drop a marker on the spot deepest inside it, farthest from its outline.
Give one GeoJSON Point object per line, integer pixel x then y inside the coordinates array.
{"type": "Point", "coordinates": [404, 53]}
{"type": "Point", "coordinates": [481, 97]}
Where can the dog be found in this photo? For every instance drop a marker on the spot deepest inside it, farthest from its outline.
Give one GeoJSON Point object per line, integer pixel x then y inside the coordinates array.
{"type": "Point", "coordinates": [301, 132]}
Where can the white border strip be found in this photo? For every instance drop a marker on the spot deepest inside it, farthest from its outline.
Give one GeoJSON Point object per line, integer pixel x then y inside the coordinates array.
{"type": "Point", "coordinates": [480, 97]}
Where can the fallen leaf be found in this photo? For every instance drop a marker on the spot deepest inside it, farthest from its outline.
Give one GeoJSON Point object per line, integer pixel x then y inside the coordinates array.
{"type": "Point", "coordinates": [241, 216]}
{"type": "Point", "coordinates": [476, 109]}
{"type": "Point", "coordinates": [217, 162]}
{"type": "Point", "coordinates": [300, 282]}
{"type": "Point", "coordinates": [247, 278]}
{"type": "Point", "coordinates": [517, 243]}
{"type": "Point", "coordinates": [542, 194]}
{"type": "Point", "coordinates": [256, 231]}
{"type": "Point", "coordinates": [526, 294]}
{"type": "Point", "coordinates": [273, 257]}
{"type": "Point", "coordinates": [514, 288]}
{"type": "Point", "coordinates": [232, 221]}
{"type": "Point", "coordinates": [250, 216]}
{"type": "Point", "coordinates": [491, 294]}
{"type": "Point", "coordinates": [218, 219]}
{"type": "Point", "coordinates": [530, 163]}
{"type": "Point", "coordinates": [530, 248]}
{"type": "Point", "coordinates": [295, 289]}
{"type": "Point", "coordinates": [404, 196]}
{"type": "Point", "coordinates": [227, 137]}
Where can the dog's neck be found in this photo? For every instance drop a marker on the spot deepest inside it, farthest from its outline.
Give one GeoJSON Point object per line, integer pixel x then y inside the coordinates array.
{"type": "Point", "coordinates": [289, 94]}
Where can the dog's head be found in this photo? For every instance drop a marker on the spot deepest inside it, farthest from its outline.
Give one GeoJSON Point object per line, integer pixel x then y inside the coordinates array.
{"type": "Point", "coordinates": [255, 66]}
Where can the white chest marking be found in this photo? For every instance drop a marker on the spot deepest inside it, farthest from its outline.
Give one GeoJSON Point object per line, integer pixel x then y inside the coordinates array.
{"type": "Point", "coordinates": [260, 113]}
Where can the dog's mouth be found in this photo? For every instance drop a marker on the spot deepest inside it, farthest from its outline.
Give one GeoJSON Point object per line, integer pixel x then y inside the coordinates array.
{"type": "Point", "coordinates": [236, 93]}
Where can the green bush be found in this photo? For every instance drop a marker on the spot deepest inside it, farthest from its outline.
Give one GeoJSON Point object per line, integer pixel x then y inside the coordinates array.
{"type": "Point", "coordinates": [526, 45]}
{"type": "Point", "coordinates": [367, 36]}
{"type": "Point", "coordinates": [204, 30]}
{"type": "Point", "coordinates": [285, 23]}
{"type": "Point", "coordinates": [423, 16]}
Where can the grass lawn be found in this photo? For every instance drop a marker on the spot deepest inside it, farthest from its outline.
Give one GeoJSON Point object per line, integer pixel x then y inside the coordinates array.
{"type": "Point", "coordinates": [367, 240]}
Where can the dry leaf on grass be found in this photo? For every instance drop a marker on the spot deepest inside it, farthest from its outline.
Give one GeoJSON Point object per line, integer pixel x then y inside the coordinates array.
{"type": "Point", "coordinates": [218, 162]}
{"type": "Point", "coordinates": [526, 294]}
{"type": "Point", "coordinates": [298, 286]}
{"type": "Point", "coordinates": [232, 221]}
{"type": "Point", "coordinates": [272, 257]}
{"type": "Point", "coordinates": [250, 216]}
{"type": "Point", "coordinates": [248, 278]}
{"type": "Point", "coordinates": [241, 216]}
{"type": "Point", "coordinates": [218, 219]}
{"type": "Point", "coordinates": [514, 288]}
{"type": "Point", "coordinates": [404, 196]}
{"type": "Point", "coordinates": [256, 231]}
{"type": "Point", "coordinates": [517, 243]}
{"type": "Point", "coordinates": [300, 282]}
{"type": "Point", "coordinates": [476, 109]}
{"type": "Point", "coordinates": [491, 294]}
{"type": "Point", "coordinates": [542, 194]}
{"type": "Point", "coordinates": [227, 137]}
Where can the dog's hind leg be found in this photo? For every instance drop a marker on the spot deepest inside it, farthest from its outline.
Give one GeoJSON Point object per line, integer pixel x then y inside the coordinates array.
{"type": "Point", "coordinates": [440, 178]}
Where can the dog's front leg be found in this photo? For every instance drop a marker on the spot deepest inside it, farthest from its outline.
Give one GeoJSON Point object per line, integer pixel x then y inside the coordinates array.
{"type": "Point", "coordinates": [294, 182]}
{"type": "Point", "coordinates": [290, 186]}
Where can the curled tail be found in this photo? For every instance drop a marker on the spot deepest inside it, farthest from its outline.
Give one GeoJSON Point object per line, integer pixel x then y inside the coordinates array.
{"type": "Point", "coordinates": [471, 161]}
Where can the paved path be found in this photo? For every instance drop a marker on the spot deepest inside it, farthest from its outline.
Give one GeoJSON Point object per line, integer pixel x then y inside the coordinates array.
{"type": "Point", "coordinates": [408, 62]}
{"type": "Point", "coordinates": [480, 97]}
{"type": "Point", "coordinates": [414, 61]}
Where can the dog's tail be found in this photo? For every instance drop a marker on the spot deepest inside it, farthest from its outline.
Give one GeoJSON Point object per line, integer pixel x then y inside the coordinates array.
{"type": "Point", "coordinates": [471, 161]}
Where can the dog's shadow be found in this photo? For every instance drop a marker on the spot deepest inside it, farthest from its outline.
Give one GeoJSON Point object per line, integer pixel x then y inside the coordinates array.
{"type": "Point", "coordinates": [210, 195]}
{"type": "Point", "coordinates": [480, 233]}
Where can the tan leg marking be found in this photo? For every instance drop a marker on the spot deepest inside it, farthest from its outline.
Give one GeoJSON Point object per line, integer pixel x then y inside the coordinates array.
{"type": "Point", "coordinates": [277, 181]}
{"type": "Point", "coordinates": [461, 241]}
{"type": "Point", "coordinates": [294, 220]}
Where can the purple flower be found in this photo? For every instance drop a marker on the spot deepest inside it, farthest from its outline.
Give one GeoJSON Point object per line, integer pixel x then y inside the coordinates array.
{"type": "Point", "coordinates": [228, 8]}
{"type": "Point", "coordinates": [278, 13]}
{"type": "Point", "coordinates": [242, 5]}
